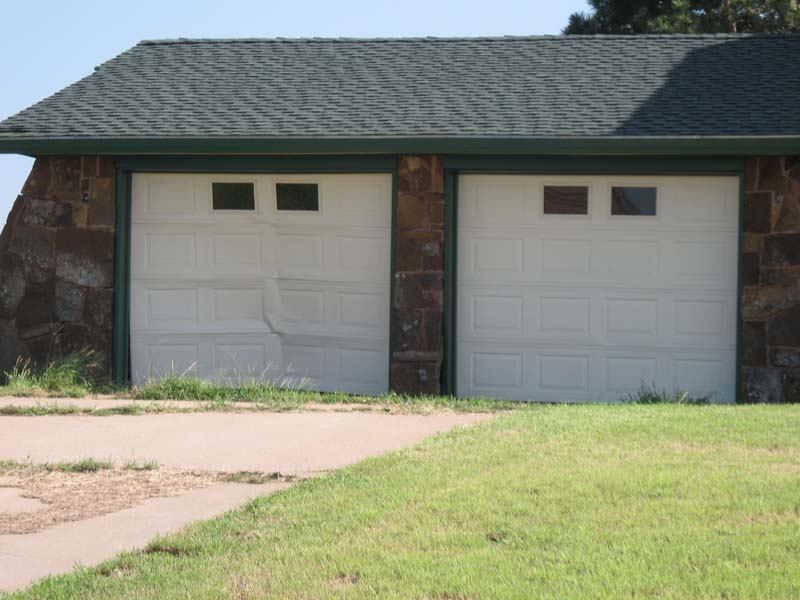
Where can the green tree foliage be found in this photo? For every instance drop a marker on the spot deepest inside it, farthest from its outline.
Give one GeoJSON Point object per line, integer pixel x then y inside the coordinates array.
{"type": "Point", "coordinates": [686, 16]}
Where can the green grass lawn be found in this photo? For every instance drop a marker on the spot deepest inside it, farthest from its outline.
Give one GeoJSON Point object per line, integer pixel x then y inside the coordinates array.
{"type": "Point", "coordinates": [659, 501]}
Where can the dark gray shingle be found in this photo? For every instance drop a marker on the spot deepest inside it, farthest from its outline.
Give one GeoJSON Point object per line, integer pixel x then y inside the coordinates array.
{"type": "Point", "coordinates": [686, 85]}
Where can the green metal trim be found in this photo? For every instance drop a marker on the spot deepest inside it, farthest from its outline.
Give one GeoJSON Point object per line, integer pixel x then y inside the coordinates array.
{"type": "Point", "coordinates": [573, 146]}
{"type": "Point", "coordinates": [122, 249]}
{"type": "Point", "coordinates": [449, 366]}
{"type": "Point", "coordinates": [454, 166]}
{"type": "Point", "coordinates": [740, 291]}
{"type": "Point", "coordinates": [595, 166]}
{"type": "Point", "coordinates": [259, 164]}
{"type": "Point", "coordinates": [392, 271]}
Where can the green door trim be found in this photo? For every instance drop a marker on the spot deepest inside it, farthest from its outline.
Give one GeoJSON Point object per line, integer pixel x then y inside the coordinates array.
{"type": "Point", "coordinates": [454, 166]}
{"type": "Point", "coordinates": [120, 366]}
{"type": "Point", "coordinates": [449, 319]}
{"type": "Point", "coordinates": [127, 167]}
{"type": "Point", "coordinates": [392, 272]}
{"type": "Point", "coordinates": [740, 287]}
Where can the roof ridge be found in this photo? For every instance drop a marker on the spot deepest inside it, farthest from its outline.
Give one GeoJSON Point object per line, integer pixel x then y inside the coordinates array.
{"type": "Point", "coordinates": [500, 38]}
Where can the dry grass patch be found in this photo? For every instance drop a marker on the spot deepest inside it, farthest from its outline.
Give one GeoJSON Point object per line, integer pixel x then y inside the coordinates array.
{"type": "Point", "coordinates": [74, 494]}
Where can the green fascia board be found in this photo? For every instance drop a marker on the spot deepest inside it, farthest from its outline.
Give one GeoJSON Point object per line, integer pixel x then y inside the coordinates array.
{"type": "Point", "coordinates": [598, 146]}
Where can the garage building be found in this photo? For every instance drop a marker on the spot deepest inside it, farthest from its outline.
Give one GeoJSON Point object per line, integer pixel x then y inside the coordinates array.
{"type": "Point", "coordinates": [537, 218]}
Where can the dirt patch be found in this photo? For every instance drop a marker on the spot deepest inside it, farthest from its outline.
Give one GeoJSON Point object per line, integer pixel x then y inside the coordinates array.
{"type": "Point", "coordinates": [69, 496]}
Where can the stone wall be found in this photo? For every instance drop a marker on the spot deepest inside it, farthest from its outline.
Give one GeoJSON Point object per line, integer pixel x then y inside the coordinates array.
{"type": "Point", "coordinates": [57, 250]}
{"type": "Point", "coordinates": [771, 273]}
{"type": "Point", "coordinates": [417, 336]}
{"type": "Point", "coordinates": [57, 262]}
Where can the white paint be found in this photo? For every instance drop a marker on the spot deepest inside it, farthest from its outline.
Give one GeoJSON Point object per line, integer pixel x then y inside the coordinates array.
{"type": "Point", "coordinates": [589, 307]}
{"type": "Point", "coordinates": [280, 295]}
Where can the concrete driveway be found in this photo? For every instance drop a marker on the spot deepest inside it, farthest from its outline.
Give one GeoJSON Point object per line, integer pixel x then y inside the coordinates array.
{"type": "Point", "coordinates": [299, 444]}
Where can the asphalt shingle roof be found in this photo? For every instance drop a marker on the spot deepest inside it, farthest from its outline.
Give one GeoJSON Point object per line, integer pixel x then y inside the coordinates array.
{"type": "Point", "coordinates": [574, 86]}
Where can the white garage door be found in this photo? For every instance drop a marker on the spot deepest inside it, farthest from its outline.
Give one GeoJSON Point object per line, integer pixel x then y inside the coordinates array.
{"type": "Point", "coordinates": [279, 277]}
{"type": "Point", "coordinates": [587, 288]}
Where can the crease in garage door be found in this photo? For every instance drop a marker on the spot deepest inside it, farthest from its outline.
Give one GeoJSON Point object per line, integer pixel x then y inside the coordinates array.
{"type": "Point", "coordinates": [590, 307]}
{"type": "Point", "coordinates": [298, 297]}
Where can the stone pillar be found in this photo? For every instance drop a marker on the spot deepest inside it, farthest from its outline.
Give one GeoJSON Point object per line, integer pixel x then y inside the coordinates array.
{"type": "Point", "coordinates": [417, 336]}
{"type": "Point", "coordinates": [57, 261]}
{"type": "Point", "coordinates": [771, 300]}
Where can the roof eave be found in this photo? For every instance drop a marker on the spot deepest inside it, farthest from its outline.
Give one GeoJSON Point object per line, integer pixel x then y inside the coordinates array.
{"type": "Point", "coordinates": [583, 146]}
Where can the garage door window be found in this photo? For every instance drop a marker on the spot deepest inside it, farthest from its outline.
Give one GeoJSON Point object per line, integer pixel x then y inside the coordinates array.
{"type": "Point", "coordinates": [233, 196]}
{"type": "Point", "coordinates": [637, 201]}
{"type": "Point", "coordinates": [566, 200]}
{"type": "Point", "coordinates": [297, 196]}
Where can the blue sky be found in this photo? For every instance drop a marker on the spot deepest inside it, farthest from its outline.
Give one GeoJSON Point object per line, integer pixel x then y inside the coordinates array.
{"type": "Point", "coordinates": [47, 44]}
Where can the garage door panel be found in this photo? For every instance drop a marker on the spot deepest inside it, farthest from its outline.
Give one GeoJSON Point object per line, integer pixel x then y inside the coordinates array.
{"type": "Point", "coordinates": [712, 202]}
{"type": "Point", "coordinates": [356, 199]}
{"type": "Point", "coordinates": [362, 367]}
{"type": "Point", "coordinates": [496, 258]}
{"type": "Point", "coordinates": [496, 199]}
{"type": "Point", "coordinates": [340, 367]}
{"type": "Point", "coordinates": [343, 200]}
{"type": "Point", "coordinates": [705, 375]}
{"type": "Point", "coordinates": [334, 253]}
{"type": "Point", "coordinates": [166, 305]}
{"type": "Point", "coordinates": [304, 306]}
{"type": "Point", "coordinates": [300, 254]}
{"type": "Point", "coordinates": [491, 371]}
{"type": "Point", "coordinates": [304, 362]}
{"type": "Point", "coordinates": [496, 314]}
{"type": "Point", "coordinates": [360, 254]}
{"type": "Point", "coordinates": [590, 308]}
{"type": "Point", "coordinates": [164, 357]}
{"type": "Point", "coordinates": [358, 310]}
{"type": "Point", "coordinates": [239, 360]}
{"type": "Point", "coordinates": [632, 318]}
{"type": "Point", "coordinates": [173, 359]}
{"type": "Point", "coordinates": [171, 251]}
{"type": "Point", "coordinates": [564, 315]}
{"type": "Point", "coordinates": [668, 259]}
{"type": "Point", "coordinates": [222, 357]}
{"type": "Point", "coordinates": [187, 306]}
{"type": "Point", "coordinates": [236, 250]}
{"type": "Point", "coordinates": [631, 260]}
{"type": "Point", "coordinates": [362, 309]}
{"type": "Point", "coordinates": [560, 374]}
{"type": "Point", "coordinates": [238, 306]}
{"type": "Point", "coordinates": [288, 294]}
{"type": "Point", "coordinates": [163, 197]}
{"type": "Point", "coordinates": [626, 374]}
{"type": "Point", "coordinates": [558, 314]}
{"type": "Point", "coordinates": [707, 320]}
{"type": "Point", "coordinates": [565, 257]}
